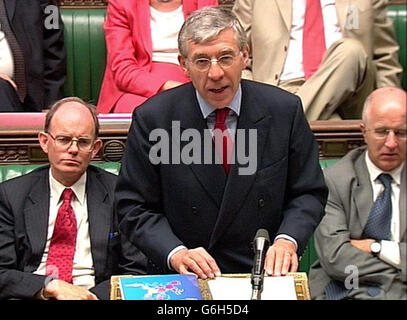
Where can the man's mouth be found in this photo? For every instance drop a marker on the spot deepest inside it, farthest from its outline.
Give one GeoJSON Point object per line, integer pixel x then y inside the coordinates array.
{"type": "Point", "coordinates": [218, 90]}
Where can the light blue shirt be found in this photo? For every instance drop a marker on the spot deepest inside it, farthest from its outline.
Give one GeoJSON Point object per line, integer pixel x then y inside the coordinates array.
{"type": "Point", "coordinates": [208, 112]}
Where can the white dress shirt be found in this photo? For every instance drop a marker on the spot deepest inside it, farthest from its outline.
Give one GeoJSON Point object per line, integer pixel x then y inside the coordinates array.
{"type": "Point", "coordinates": [6, 56]}
{"type": "Point", "coordinates": [390, 251]}
{"type": "Point", "coordinates": [83, 273]}
{"type": "Point", "coordinates": [293, 68]}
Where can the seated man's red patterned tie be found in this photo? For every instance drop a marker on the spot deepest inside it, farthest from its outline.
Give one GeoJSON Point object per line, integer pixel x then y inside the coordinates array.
{"type": "Point", "coordinates": [224, 148]}
{"type": "Point", "coordinates": [62, 248]}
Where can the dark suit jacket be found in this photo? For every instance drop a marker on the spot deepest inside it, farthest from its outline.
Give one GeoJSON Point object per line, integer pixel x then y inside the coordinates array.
{"type": "Point", "coordinates": [24, 210]}
{"type": "Point", "coordinates": [163, 206]}
{"type": "Point", "coordinates": [43, 49]}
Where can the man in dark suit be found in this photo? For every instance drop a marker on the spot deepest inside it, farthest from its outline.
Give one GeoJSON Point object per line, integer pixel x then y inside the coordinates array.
{"type": "Point", "coordinates": [32, 55]}
{"type": "Point", "coordinates": [30, 209]}
{"type": "Point", "coordinates": [199, 216]}
{"type": "Point", "coordinates": [354, 262]}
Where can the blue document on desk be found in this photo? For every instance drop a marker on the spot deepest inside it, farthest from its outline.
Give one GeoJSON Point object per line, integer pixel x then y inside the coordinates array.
{"type": "Point", "coordinates": [160, 287]}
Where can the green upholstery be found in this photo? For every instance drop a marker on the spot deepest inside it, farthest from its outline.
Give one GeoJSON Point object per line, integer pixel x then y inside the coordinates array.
{"type": "Point", "coordinates": [14, 170]}
{"type": "Point", "coordinates": [399, 15]}
{"type": "Point", "coordinates": [86, 50]}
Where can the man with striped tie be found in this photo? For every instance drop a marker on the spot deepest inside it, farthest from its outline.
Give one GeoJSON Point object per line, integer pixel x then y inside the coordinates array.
{"type": "Point", "coordinates": [361, 241]}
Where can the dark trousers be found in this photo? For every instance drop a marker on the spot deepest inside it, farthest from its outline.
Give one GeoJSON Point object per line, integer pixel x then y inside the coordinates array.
{"type": "Point", "coordinates": [9, 101]}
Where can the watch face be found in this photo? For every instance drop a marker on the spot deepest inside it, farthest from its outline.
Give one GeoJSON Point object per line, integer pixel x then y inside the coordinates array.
{"type": "Point", "coordinates": [375, 247]}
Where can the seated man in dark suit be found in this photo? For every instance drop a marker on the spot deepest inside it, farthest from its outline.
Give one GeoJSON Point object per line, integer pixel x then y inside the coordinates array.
{"type": "Point", "coordinates": [362, 240]}
{"type": "Point", "coordinates": [58, 229]}
{"type": "Point", "coordinates": [191, 212]}
{"type": "Point", "coordinates": [32, 55]}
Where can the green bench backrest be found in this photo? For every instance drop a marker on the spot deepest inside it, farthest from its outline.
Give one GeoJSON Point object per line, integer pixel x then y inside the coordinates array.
{"type": "Point", "coordinates": [10, 171]}
{"type": "Point", "coordinates": [86, 49]}
{"type": "Point", "coordinates": [86, 52]}
{"type": "Point", "coordinates": [399, 15]}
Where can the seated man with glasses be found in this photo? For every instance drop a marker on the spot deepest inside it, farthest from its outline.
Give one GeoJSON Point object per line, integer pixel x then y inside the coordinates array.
{"type": "Point", "coordinates": [58, 229]}
{"type": "Point", "coordinates": [201, 216]}
{"type": "Point", "coordinates": [362, 240]}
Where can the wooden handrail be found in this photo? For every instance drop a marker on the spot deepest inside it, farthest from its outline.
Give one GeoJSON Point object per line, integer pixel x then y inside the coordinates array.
{"type": "Point", "coordinates": [19, 131]}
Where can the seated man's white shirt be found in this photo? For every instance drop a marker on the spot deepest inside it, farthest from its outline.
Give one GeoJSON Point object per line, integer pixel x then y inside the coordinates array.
{"type": "Point", "coordinates": [6, 56]}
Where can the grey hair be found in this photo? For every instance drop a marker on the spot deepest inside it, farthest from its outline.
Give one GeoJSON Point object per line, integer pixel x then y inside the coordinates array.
{"type": "Point", "coordinates": [205, 24]}
{"type": "Point", "coordinates": [54, 108]}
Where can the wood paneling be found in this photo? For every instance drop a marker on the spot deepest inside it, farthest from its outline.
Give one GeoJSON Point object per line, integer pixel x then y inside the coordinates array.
{"type": "Point", "coordinates": [19, 143]}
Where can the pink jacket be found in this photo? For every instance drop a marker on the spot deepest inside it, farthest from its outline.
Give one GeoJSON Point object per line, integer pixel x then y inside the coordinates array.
{"type": "Point", "coordinates": [129, 50]}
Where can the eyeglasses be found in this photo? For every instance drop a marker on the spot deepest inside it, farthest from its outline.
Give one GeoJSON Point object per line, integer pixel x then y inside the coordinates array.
{"type": "Point", "coordinates": [225, 61]}
{"type": "Point", "coordinates": [84, 144]}
{"type": "Point", "coordinates": [382, 133]}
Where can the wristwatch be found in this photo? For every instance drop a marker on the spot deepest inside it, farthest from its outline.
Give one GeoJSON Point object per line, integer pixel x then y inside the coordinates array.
{"type": "Point", "coordinates": [375, 248]}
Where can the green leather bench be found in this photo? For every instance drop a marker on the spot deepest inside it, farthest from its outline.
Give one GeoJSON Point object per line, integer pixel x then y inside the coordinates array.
{"type": "Point", "coordinates": [10, 171]}
{"type": "Point", "coordinates": [86, 50]}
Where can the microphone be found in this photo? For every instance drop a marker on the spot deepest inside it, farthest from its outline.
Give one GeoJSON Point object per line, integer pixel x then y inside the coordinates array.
{"type": "Point", "coordinates": [260, 245]}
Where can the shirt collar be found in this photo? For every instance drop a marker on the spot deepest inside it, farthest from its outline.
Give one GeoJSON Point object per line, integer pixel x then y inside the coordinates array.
{"type": "Point", "coordinates": [374, 171]}
{"type": "Point", "coordinates": [207, 109]}
{"type": "Point", "coordinates": [78, 187]}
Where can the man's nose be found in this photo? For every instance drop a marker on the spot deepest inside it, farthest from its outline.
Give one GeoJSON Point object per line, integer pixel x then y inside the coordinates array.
{"type": "Point", "coordinates": [391, 140]}
{"type": "Point", "coordinates": [74, 146]}
{"type": "Point", "coordinates": [215, 71]}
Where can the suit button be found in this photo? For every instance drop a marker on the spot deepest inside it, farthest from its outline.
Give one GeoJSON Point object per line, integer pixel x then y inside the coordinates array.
{"type": "Point", "coordinates": [194, 210]}
{"type": "Point", "coordinates": [276, 77]}
{"type": "Point", "coordinates": [261, 203]}
{"type": "Point", "coordinates": [285, 48]}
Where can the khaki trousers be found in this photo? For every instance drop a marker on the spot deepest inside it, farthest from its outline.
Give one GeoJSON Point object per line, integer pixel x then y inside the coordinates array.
{"type": "Point", "coordinates": [340, 86]}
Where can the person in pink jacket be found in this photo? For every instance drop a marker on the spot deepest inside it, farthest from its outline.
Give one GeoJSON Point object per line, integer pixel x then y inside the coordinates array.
{"type": "Point", "coordinates": [142, 52]}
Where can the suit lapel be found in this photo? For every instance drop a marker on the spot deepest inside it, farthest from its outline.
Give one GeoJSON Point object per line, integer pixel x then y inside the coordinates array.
{"type": "Point", "coordinates": [36, 214]}
{"type": "Point", "coordinates": [238, 186]}
{"type": "Point", "coordinates": [363, 193]}
{"type": "Point", "coordinates": [342, 12]}
{"type": "Point", "coordinates": [211, 176]}
{"type": "Point", "coordinates": [10, 8]}
{"type": "Point", "coordinates": [142, 9]}
{"type": "Point", "coordinates": [99, 215]}
{"type": "Point", "coordinates": [285, 7]}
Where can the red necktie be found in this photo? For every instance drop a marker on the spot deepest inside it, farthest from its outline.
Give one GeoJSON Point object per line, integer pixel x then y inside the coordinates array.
{"type": "Point", "coordinates": [62, 248]}
{"type": "Point", "coordinates": [313, 47]}
{"type": "Point", "coordinates": [223, 141]}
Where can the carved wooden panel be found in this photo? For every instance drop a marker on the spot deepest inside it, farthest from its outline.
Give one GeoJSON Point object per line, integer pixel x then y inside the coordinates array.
{"type": "Point", "coordinates": [82, 3]}
{"type": "Point", "coordinates": [19, 143]}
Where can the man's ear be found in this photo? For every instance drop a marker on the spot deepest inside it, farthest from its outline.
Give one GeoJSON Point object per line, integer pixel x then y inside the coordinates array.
{"type": "Point", "coordinates": [183, 63]}
{"type": "Point", "coordinates": [96, 147]}
{"type": "Point", "coordinates": [43, 139]}
{"type": "Point", "coordinates": [363, 130]}
{"type": "Point", "coordinates": [246, 55]}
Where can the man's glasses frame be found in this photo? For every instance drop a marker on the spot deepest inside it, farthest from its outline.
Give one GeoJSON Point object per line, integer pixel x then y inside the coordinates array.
{"type": "Point", "coordinates": [382, 133]}
{"type": "Point", "coordinates": [225, 61]}
{"type": "Point", "coordinates": [65, 142]}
